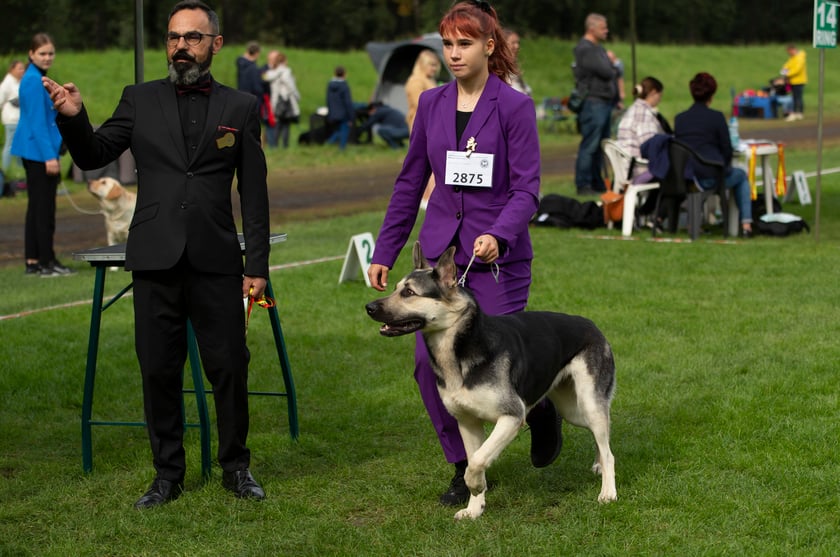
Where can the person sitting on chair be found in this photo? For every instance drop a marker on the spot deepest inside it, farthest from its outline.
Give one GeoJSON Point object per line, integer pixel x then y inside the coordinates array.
{"type": "Point", "coordinates": [706, 132]}
{"type": "Point", "coordinates": [640, 122]}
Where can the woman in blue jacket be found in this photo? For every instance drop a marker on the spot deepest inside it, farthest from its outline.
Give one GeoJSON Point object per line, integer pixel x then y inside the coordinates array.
{"type": "Point", "coordinates": [37, 142]}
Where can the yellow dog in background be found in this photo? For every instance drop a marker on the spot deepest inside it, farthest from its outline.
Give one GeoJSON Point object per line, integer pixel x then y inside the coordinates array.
{"type": "Point", "coordinates": [117, 204]}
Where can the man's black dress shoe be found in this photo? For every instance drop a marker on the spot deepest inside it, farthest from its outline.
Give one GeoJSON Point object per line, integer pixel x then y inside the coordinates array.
{"type": "Point", "coordinates": [162, 491]}
{"type": "Point", "coordinates": [546, 434]}
{"type": "Point", "coordinates": [242, 484]}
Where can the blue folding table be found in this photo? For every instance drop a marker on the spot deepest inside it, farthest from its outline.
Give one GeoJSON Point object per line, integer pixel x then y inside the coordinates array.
{"type": "Point", "coordinates": [114, 256]}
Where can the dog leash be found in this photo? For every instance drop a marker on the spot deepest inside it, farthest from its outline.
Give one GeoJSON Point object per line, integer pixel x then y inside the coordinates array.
{"type": "Point", "coordinates": [264, 302]}
{"type": "Point", "coordinates": [66, 193]}
{"type": "Point", "coordinates": [494, 268]}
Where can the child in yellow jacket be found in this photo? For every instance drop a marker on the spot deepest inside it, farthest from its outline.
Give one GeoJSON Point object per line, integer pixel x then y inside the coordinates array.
{"type": "Point", "coordinates": [796, 71]}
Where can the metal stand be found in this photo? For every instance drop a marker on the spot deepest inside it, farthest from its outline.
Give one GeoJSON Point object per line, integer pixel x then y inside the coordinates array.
{"type": "Point", "coordinates": [101, 259]}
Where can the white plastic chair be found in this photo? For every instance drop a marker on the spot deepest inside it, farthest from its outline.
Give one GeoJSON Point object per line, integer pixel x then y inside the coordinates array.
{"type": "Point", "coordinates": [620, 161]}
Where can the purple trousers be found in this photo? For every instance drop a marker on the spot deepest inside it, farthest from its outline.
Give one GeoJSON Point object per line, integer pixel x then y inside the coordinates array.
{"type": "Point", "coordinates": [509, 295]}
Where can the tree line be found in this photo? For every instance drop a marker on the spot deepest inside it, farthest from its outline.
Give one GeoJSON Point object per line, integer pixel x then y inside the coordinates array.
{"type": "Point", "coordinates": [349, 24]}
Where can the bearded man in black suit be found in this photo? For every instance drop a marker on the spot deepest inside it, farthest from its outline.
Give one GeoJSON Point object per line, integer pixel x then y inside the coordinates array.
{"type": "Point", "coordinates": [189, 135]}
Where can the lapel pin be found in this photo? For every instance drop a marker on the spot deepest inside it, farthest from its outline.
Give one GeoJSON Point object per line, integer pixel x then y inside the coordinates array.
{"type": "Point", "coordinates": [471, 145]}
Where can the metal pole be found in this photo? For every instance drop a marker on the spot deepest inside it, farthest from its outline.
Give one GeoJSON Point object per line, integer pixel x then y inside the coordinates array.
{"type": "Point", "coordinates": [819, 148]}
{"type": "Point", "coordinates": [633, 41]}
{"type": "Point", "coordinates": [138, 41]}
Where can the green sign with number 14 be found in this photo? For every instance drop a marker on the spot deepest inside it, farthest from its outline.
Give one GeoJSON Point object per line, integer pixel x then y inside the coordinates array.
{"type": "Point", "coordinates": [825, 24]}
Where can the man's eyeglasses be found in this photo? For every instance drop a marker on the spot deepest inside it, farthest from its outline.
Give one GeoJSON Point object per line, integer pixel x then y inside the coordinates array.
{"type": "Point", "coordinates": [192, 38]}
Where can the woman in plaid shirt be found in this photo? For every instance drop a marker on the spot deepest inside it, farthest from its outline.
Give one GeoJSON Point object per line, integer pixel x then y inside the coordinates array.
{"type": "Point", "coordinates": [642, 121]}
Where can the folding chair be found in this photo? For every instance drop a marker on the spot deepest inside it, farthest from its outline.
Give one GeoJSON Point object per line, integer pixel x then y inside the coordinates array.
{"type": "Point", "coordinates": [677, 186]}
{"type": "Point", "coordinates": [622, 164]}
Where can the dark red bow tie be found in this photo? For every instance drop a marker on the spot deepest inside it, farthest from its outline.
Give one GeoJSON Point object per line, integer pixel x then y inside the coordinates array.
{"type": "Point", "coordinates": [201, 87]}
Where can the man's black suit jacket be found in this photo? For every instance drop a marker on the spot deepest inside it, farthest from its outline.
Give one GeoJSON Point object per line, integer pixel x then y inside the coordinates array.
{"type": "Point", "coordinates": [183, 201]}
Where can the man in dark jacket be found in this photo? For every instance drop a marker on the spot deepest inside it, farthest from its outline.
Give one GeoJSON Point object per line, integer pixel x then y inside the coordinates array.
{"type": "Point", "coordinates": [340, 110]}
{"type": "Point", "coordinates": [248, 76]}
{"type": "Point", "coordinates": [595, 76]}
{"type": "Point", "coordinates": [189, 135]}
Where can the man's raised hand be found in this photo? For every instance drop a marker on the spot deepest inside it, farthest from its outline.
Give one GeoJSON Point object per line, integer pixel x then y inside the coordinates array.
{"type": "Point", "coordinates": [66, 98]}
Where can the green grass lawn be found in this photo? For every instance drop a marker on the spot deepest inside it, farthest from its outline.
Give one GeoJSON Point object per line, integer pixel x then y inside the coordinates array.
{"type": "Point", "coordinates": [724, 421]}
{"type": "Point", "coordinates": [724, 426]}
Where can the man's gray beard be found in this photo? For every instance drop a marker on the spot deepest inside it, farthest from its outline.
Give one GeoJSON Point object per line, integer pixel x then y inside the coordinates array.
{"type": "Point", "coordinates": [188, 73]}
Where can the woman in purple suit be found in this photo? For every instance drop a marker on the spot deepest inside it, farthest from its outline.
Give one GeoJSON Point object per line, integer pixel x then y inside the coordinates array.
{"type": "Point", "coordinates": [478, 137]}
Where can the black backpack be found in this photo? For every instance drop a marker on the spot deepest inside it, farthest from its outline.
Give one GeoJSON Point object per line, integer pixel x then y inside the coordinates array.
{"type": "Point", "coordinates": [566, 212]}
{"type": "Point", "coordinates": [790, 225]}
{"type": "Point", "coordinates": [778, 226]}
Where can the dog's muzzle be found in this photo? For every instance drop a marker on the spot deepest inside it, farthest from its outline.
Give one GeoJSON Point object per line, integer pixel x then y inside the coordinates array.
{"type": "Point", "coordinates": [392, 328]}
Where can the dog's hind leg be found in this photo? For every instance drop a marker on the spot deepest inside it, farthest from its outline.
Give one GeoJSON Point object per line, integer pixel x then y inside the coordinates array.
{"type": "Point", "coordinates": [581, 405]}
{"type": "Point", "coordinates": [594, 414]}
{"type": "Point", "coordinates": [480, 456]}
{"type": "Point", "coordinates": [604, 462]}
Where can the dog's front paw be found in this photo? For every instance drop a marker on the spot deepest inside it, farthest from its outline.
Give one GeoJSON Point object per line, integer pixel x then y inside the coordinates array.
{"type": "Point", "coordinates": [607, 496]}
{"type": "Point", "coordinates": [608, 491]}
{"type": "Point", "coordinates": [463, 513]}
{"type": "Point", "coordinates": [474, 509]}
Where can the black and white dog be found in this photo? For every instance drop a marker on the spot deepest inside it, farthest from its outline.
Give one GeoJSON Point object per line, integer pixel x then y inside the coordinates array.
{"type": "Point", "coordinates": [496, 368]}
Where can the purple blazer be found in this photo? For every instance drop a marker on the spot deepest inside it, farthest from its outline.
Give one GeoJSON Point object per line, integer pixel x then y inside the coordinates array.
{"type": "Point", "coordinates": [504, 124]}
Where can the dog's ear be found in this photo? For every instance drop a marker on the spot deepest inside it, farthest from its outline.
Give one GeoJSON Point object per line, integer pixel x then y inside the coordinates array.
{"type": "Point", "coordinates": [446, 268]}
{"type": "Point", "coordinates": [420, 261]}
{"type": "Point", "coordinates": [115, 191]}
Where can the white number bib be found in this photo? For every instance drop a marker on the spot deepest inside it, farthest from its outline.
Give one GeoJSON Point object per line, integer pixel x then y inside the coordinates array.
{"type": "Point", "coordinates": [475, 170]}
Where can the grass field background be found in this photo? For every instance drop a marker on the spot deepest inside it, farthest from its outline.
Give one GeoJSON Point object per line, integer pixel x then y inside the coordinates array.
{"type": "Point", "coordinates": [546, 64]}
{"type": "Point", "coordinates": [725, 421]}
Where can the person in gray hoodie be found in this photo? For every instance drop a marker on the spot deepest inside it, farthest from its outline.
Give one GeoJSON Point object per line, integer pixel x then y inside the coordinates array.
{"type": "Point", "coordinates": [595, 76]}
